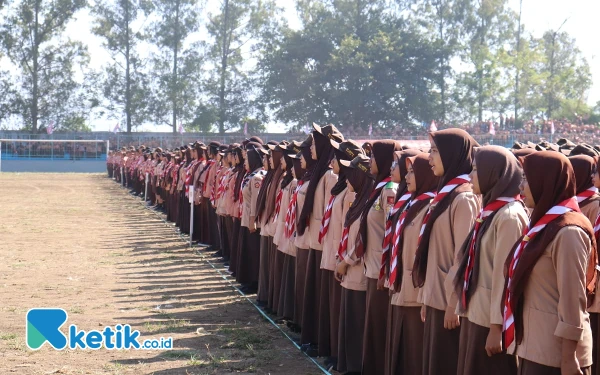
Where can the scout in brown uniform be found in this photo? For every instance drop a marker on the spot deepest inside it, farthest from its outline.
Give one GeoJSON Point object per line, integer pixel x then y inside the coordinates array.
{"type": "Point", "coordinates": [211, 224]}
{"type": "Point", "coordinates": [301, 240]}
{"type": "Point", "coordinates": [322, 180]}
{"type": "Point", "coordinates": [285, 245]}
{"type": "Point", "coordinates": [404, 340]}
{"type": "Point", "coordinates": [372, 230]}
{"type": "Point", "coordinates": [594, 308]}
{"type": "Point", "coordinates": [545, 319]}
{"type": "Point", "coordinates": [236, 207]}
{"type": "Point", "coordinates": [249, 246]}
{"type": "Point", "coordinates": [269, 227]}
{"type": "Point", "coordinates": [479, 281]}
{"type": "Point", "coordinates": [181, 188]}
{"type": "Point", "coordinates": [349, 270]}
{"type": "Point", "coordinates": [330, 234]}
{"type": "Point", "coordinates": [262, 294]}
{"type": "Point", "coordinates": [587, 194]}
{"type": "Point", "coordinates": [445, 228]}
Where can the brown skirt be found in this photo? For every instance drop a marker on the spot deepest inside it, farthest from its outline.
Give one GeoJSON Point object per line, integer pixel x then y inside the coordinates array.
{"type": "Point", "coordinates": [198, 223]}
{"type": "Point", "coordinates": [301, 263]}
{"type": "Point", "coordinates": [278, 258]}
{"type": "Point", "coordinates": [329, 309]}
{"type": "Point", "coordinates": [213, 224]}
{"type": "Point", "coordinates": [263, 275]}
{"type": "Point", "coordinates": [205, 235]}
{"type": "Point", "coordinates": [287, 291]}
{"type": "Point", "coordinates": [531, 368]}
{"type": "Point", "coordinates": [248, 257]}
{"type": "Point", "coordinates": [472, 357]}
{"type": "Point", "coordinates": [184, 207]}
{"type": "Point", "coordinates": [440, 345]}
{"type": "Point", "coordinates": [310, 315]}
{"type": "Point", "coordinates": [226, 236]}
{"type": "Point", "coordinates": [271, 279]}
{"type": "Point", "coordinates": [353, 307]}
{"type": "Point", "coordinates": [235, 238]}
{"type": "Point", "coordinates": [404, 341]}
{"type": "Point", "coordinates": [373, 351]}
{"type": "Point", "coordinates": [595, 323]}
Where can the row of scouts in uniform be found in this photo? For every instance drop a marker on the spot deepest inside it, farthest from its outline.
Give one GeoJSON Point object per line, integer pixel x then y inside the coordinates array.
{"type": "Point", "coordinates": [463, 259]}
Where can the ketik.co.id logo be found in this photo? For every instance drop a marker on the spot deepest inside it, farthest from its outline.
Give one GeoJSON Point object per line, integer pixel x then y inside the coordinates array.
{"type": "Point", "coordinates": [43, 325]}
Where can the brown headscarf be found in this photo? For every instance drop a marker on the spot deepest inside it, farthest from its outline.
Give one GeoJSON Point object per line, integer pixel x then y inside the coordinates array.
{"type": "Point", "coordinates": [523, 152]}
{"type": "Point", "coordinates": [383, 155]}
{"type": "Point", "coordinates": [363, 186]}
{"type": "Point", "coordinates": [583, 166]}
{"type": "Point", "coordinates": [552, 180]}
{"type": "Point", "coordinates": [400, 157]}
{"type": "Point", "coordinates": [499, 174]}
{"type": "Point", "coordinates": [426, 182]}
{"type": "Point", "coordinates": [456, 151]}
{"type": "Point", "coordinates": [271, 196]}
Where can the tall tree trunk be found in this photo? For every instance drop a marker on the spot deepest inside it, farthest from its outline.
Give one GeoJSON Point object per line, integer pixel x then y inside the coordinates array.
{"type": "Point", "coordinates": [174, 85]}
{"type": "Point", "coordinates": [480, 72]}
{"type": "Point", "coordinates": [35, 73]}
{"type": "Point", "coordinates": [442, 82]}
{"type": "Point", "coordinates": [518, 72]}
{"type": "Point", "coordinates": [127, 69]}
{"type": "Point", "coordinates": [224, 56]}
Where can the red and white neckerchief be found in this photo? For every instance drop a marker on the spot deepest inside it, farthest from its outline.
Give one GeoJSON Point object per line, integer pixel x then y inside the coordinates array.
{"type": "Point", "coordinates": [342, 249]}
{"type": "Point", "coordinates": [326, 219]}
{"type": "Point", "coordinates": [207, 171]}
{"type": "Point", "coordinates": [241, 194]}
{"type": "Point", "coordinates": [483, 214]}
{"type": "Point", "coordinates": [387, 238]}
{"type": "Point", "coordinates": [188, 176]}
{"type": "Point", "coordinates": [290, 216]}
{"type": "Point", "coordinates": [396, 237]}
{"type": "Point", "coordinates": [277, 205]}
{"type": "Point", "coordinates": [586, 194]}
{"type": "Point", "coordinates": [508, 325]}
{"type": "Point", "coordinates": [447, 189]}
{"type": "Point", "coordinates": [379, 186]}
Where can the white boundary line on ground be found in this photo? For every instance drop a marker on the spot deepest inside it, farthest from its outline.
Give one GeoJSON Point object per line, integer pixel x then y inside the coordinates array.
{"type": "Point", "coordinates": [231, 284]}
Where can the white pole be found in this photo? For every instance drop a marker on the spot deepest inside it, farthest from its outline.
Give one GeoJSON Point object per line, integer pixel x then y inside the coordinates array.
{"type": "Point", "coordinates": [0, 156]}
{"type": "Point", "coordinates": [122, 177]}
{"type": "Point", "coordinates": [146, 190]}
{"type": "Point", "coordinates": [191, 196]}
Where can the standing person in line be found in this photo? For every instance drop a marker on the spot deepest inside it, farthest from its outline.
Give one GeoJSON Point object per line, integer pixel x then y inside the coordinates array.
{"type": "Point", "coordinates": [479, 282]}
{"type": "Point", "coordinates": [587, 194]}
{"type": "Point", "coordinates": [372, 232]}
{"type": "Point", "coordinates": [273, 197]}
{"type": "Point", "coordinates": [249, 239]}
{"type": "Point", "coordinates": [545, 321]}
{"type": "Point", "coordinates": [285, 245]}
{"type": "Point", "coordinates": [444, 230]}
{"type": "Point", "coordinates": [404, 340]}
{"type": "Point", "coordinates": [594, 305]}
{"type": "Point", "coordinates": [301, 240]}
{"type": "Point", "coordinates": [330, 235]}
{"type": "Point", "coordinates": [262, 296]}
{"type": "Point", "coordinates": [322, 180]}
{"type": "Point", "coordinates": [237, 208]}
{"type": "Point", "coordinates": [350, 268]}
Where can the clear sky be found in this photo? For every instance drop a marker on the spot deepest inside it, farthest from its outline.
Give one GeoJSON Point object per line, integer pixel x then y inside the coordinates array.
{"type": "Point", "coordinates": [538, 16]}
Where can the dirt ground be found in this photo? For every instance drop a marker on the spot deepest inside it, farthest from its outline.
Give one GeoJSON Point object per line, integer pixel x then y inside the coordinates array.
{"type": "Point", "coordinates": [81, 243]}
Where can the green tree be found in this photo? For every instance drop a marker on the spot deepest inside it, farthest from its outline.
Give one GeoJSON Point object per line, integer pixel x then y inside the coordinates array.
{"type": "Point", "coordinates": [177, 65]}
{"type": "Point", "coordinates": [125, 83]}
{"type": "Point", "coordinates": [351, 64]}
{"type": "Point", "coordinates": [235, 31]}
{"type": "Point", "coordinates": [31, 35]}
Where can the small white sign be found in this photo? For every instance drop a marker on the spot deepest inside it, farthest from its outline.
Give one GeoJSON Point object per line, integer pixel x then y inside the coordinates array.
{"type": "Point", "coordinates": [191, 193]}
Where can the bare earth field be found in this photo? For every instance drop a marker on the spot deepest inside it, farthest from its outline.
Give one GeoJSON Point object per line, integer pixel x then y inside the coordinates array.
{"type": "Point", "coordinates": [81, 243]}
